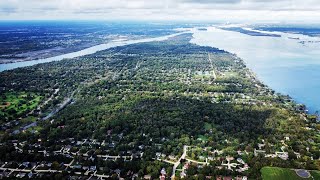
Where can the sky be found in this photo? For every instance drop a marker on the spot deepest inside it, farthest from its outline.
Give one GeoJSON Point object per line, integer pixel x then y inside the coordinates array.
{"type": "Point", "coordinates": [173, 10]}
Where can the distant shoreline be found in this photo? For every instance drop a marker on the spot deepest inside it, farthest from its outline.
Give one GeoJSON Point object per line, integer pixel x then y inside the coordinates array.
{"type": "Point", "coordinates": [43, 54]}
{"type": "Point", "coordinates": [86, 51]}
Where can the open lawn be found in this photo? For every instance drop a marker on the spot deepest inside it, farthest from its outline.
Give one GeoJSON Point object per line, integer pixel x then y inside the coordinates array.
{"type": "Point", "coordinates": [230, 74]}
{"type": "Point", "coordinates": [275, 173]}
{"type": "Point", "coordinates": [315, 174]}
{"type": "Point", "coordinates": [16, 104]}
{"type": "Point", "coordinates": [204, 74]}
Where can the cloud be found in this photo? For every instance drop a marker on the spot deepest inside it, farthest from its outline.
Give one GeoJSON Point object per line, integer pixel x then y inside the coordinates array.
{"type": "Point", "coordinates": [228, 10]}
{"type": "Point", "coordinates": [212, 1]}
{"type": "Point", "coordinates": [7, 10]}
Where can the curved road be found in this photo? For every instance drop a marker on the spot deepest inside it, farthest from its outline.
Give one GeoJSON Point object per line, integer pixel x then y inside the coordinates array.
{"type": "Point", "coordinates": [176, 164]}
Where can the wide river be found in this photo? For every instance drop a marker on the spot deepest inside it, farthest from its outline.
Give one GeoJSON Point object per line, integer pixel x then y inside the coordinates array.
{"type": "Point", "coordinates": [83, 52]}
{"type": "Point", "coordinates": [282, 63]}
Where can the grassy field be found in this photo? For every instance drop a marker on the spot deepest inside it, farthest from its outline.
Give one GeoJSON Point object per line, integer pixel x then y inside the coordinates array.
{"type": "Point", "coordinates": [275, 173]}
{"type": "Point", "coordinates": [230, 74]}
{"type": "Point", "coordinates": [15, 104]}
{"type": "Point", "coordinates": [315, 174]}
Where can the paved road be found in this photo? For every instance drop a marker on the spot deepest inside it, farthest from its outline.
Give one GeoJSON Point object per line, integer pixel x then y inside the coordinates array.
{"type": "Point", "coordinates": [50, 171]}
{"type": "Point", "coordinates": [198, 162]}
{"type": "Point", "coordinates": [176, 164]}
{"type": "Point", "coordinates": [29, 170]}
{"type": "Point", "coordinates": [211, 64]}
{"type": "Point", "coordinates": [63, 105]}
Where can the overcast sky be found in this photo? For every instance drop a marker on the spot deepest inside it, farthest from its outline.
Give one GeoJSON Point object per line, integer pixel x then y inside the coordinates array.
{"type": "Point", "coordinates": [206, 10]}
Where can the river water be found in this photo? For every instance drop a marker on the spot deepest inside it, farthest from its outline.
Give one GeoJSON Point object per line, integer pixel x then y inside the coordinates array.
{"type": "Point", "coordinates": [83, 52]}
{"type": "Point", "coordinates": [282, 63]}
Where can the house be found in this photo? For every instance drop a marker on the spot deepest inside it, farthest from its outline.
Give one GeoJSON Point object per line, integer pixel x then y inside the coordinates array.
{"type": "Point", "coordinates": [77, 166]}
{"type": "Point", "coordinates": [67, 149]}
{"type": "Point", "coordinates": [120, 135]}
{"type": "Point", "coordinates": [129, 172]}
{"type": "Point", "coordinates": [240, 152]}
{"type": "Point", "coordinates": [229, 158]}
{"type": "Point", "coordinates": [30, 174]}
{"type": "Point", "coordinates": [21, 175]}
{"type": "Point", "coordinates": [135, 175]}
{"type": "Point", "coordinates": [183, 174]}
{"type": "Point", "coordinates": [109, 132]}
{"type": "Point", "coordinates": [282, 155]}
{"type": "Point", "coordinates": [93, 168]}
{"type": "Point", "coordinates": [129, 152]}
{"type": "Point", "coordinates": [163, 171]}
{"type": "Point", "coordinates": [271, 155]}
{"type": "Point", "coordinates": [240, 161]}
{"type": "Point", "coordinates": [310, 140]}
{"type": "Point", "coordinates": [158, 154]}
{"type": "Point", "coordinates": [112, 145]}
{"type": "Point", "coordinates": [244, 168]}
{"type": "Point", "coordinates": [256, 152]}
{"type": "Point", "coordinates": [261, 146]}
{"type": "Point", "coordinates": [33, 164]}
{"type": "Point", "coordinates": [298, 155]}
{"type": "Point", "coordinates": [25, 164]}
{"type": "Point", "coordinates": [147, 177]}
{"type": "Point", "coordinates": [210, 158]}
{"type": "Point", "coordinates": [218, 152]}
{"type": "Point", "coordinates": [162, 177]}
{"type": "Point", "coordinates": [4, 174]}
{"type": "Point", "coordinates": [219, 167]}
{"type": "Point", "coordinates": [79, 143]}
{"type": "Point", "coordinates": [49, 164]}
{"type": "Point", "coordinates": [117, 171]}
{"type": "Point", "coordinates": [91, 158]}
{"type": "Point", "coordinates": [171, 157]}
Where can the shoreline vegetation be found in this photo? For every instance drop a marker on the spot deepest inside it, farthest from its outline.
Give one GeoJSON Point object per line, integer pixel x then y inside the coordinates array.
{"type": "Point", "coordinates": [40, 39]}
{"type": "Point", "coordinates": [84, 52]}
{"type": "Point", "coordinates": [135, 110]}
{"type": "Point", "coordinates": [43, 54]}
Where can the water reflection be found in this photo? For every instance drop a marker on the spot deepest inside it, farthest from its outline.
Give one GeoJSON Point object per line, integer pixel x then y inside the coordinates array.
{"type": "Point", "coordinates": [287, 66]}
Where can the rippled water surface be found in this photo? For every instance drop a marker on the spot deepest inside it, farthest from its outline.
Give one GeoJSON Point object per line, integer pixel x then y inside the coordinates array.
{"type": "Point", "coordinates": [284, 64]}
